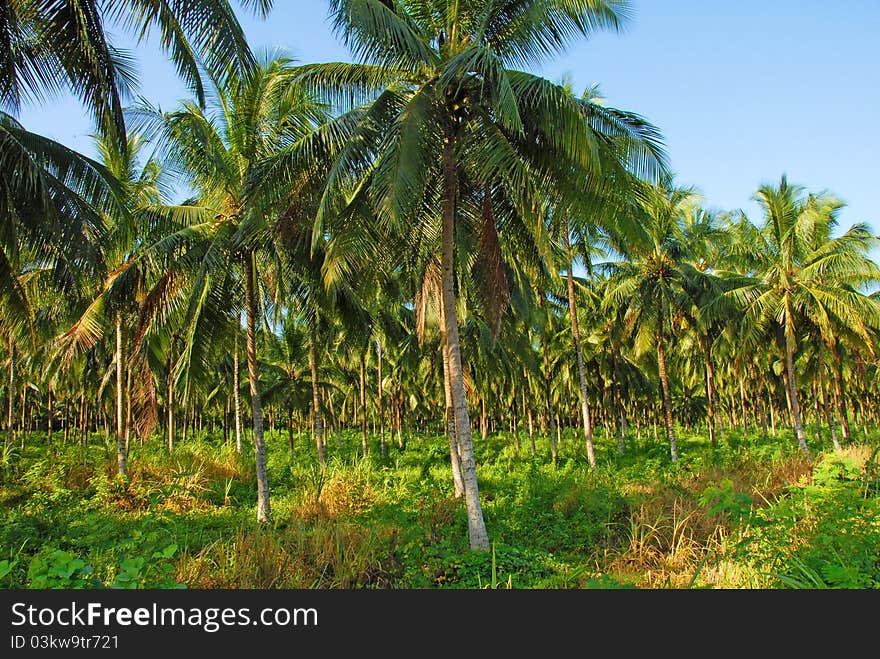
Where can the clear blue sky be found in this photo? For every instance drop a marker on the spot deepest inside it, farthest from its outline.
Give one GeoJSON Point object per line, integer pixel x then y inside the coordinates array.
{"type": "Point", "coordinates": [742, 91]}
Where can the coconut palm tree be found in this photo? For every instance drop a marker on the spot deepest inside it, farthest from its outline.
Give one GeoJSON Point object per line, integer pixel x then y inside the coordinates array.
{"type": "Point", "coordinates": [57, 199]}
{"type": "Point", "coordinates": [580, 228]}
{"type": "Point", "coordinates": [286, 364]}
{"type": "Point", "coordinates": [53, 208]}
{"type": "Point", "coordinates": [255, 113]}
{"type": "Point", "coordinates": [447, 112]}
{"type": "Point", "coordinates": [802, 272]}
{"type": "Point", "coordinates": [652, 280]}
{"type": "Point", "coordinates": [138, 185]}
{"type": "Point", "coordinates": [703, 231]}
{"type": "Point", "coordinates": [47, 46]}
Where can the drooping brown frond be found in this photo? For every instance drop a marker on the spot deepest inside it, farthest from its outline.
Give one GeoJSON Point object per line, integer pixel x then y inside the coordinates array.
{"type": "Point", "coordinates": [153, 304]}
{"type": "Point", "coordinates": [290, 230]}
{"type": "Point", "coordinates": [489, 269]}
{"type": "Point", "coordinates": [144, 407]}
{"type": "Point", "coordinates": [428, 295]}
{"type": "Point", "coordinates": [84, 333]}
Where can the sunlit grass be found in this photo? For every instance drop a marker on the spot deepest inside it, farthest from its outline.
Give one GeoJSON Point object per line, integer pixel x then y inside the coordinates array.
{"type": "Point", "coordinates": [751, 513]}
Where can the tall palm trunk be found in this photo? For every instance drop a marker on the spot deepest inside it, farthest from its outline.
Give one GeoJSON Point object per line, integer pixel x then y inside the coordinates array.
{"type": "Point", "coordinates": [839, 385]}
{"type": "Point", "coordinates": [121, 448]}
{"type": "Point", "coordinates": [664, 382]}
{"type": "Point", "coordinates": [128, 413]}
{"type": "Point", "coordinates": [742, 402]}
{"type": "Point", "coordinates": [236, 385]}
{"type": "Point", "coordinates": [479, 538]}
{"type": "Point", "coordinates": [576, 337]}
{"type": "Point", "coordinates": [449, 417]}
{"type": "Point", "coordinates": [772, 411]}
{"type": "Point", "coordinates": [617, 401]}
{"type": "Point", "coordinates": [317, 418]}
{"type": "Point", "coordinates": [184, 417]}
{"type": "Point", "coordinates": [826, 408]}
{"type": "Point", "coordinates": [398, 420]}
{"type": "Point", "coordinates": [363, 393]}
{"type": "Point", "coordinates": [290, 440]}
{"type": "Point", "coordinates": [22, 427]}
{"type": "Point", "coordinates": [710, 390]}
{"type": "Point", "coordinates": [514, 419]}
{"type": "Point", "coordinates": [169, 400]}
{"type": "Point", "coordinates": [758, 402]}
{"type": "Point", "coordinates": [250, 303]}
{"type": "Point", "coordinates": [49, 416]}
{"type": "Point", "coordinates": [10, 433]}
{"type": "Point", "coordinates": [554, 447]}
{"type": "Point", "coordinates": [383, 447]}
{"type": "Point", "coordinates": [528, 412]}
{"type": "Point", "coordinates": [792, 382]}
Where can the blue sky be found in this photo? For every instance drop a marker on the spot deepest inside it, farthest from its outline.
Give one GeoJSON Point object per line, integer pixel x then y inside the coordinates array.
{"type": "Point", "coordinates": [742, 91]}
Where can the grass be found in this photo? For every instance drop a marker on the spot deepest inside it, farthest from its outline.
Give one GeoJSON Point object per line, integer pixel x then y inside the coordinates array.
{"type": "Point", "coordinates": [750, 513]}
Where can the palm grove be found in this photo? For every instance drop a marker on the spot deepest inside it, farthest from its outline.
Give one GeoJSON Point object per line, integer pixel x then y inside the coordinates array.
{"type": "Point", "coordinates": [430, 239]}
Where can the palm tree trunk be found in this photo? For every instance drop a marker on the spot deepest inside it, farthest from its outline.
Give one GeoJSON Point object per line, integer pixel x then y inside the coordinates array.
{"type": "Point", "coordinates": [617, 401]}
{"type": "Point", "coordinates": [21, 425]}
{"type": "Point", "coordinates": [478, 536]}
{"type": "Point", "coordinates": [317, 419]}
{"type": "Point", "coordinates": [184, 414]}
{"type": "Point", "coordinates": [290, 427]}
{"type": "Point", "coordinates": [576, 337]}
{"type": "Point", "coordinates": [49, 416]}
{"type": "Point", "coordinates": [224, 424]}
{"type": "Point", "coordinates": [772, 412]}
{"type": "Point", "coordinates": [710, 390]}
{"type": "Point", "coordinates": [10, 432]}
{"type": "Point", "coordinates": [731, 409]}
{"type": "Point", "coordinates": [170, 403]}
{"type": "Point", "coordinates": [742, 402]}
{"type": "Point", "coordinates": [832, 427]}
{"type": "Point", "coordinates": [757, 401]}
{"type": "Point", "coordinates": [528, 411]}
{"type": "Point", "coordinates": [545, 348]}
{"type": "Point", "coordinates": [121, 452]}
{"type": "Point", "coordinates": [83, 439]}
{"type": "Point", "coordinates": [816, 412]}
{"type": "Point", "coordinates": [514, 420]}
{"type": "Point", "coordinates": [654, 416]}
{"type": "Point", "coordinates": [792, 384]}
{"type": "Point", "coordinates": [362, 383]}
{"type": "Point", "coordinates": [664, 382]}
{"type": "Point", "coordinates": [449, 417]}
{"type": "Point", "coordinates": [87, 422]}
{"type": "Point", "coordinates": [263, 510]}
{"type": "Point", "coordinates": [236, 385]}
{"type": "Point", "coordinates": [383, 447]}
{"type": "Point", "coordinates": [128, 413]}
{"type": "Point", "coordinates": [621, 426]}
{"type": "Point", "coordinates": [788, 400]}
{"type": "Point", "coordinates": [331, 424]}
{"type": "Point", "coordinates": [839, 386]}
{"type": "Point", "coordinates": [398, 413]}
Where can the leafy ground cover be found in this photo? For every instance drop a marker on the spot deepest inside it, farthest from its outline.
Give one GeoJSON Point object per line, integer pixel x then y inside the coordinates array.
{"type": "Point", "coordinates": [751, 513]}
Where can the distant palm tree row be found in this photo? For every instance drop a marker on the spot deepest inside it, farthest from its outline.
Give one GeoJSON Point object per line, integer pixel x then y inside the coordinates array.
{"type": "Point", "coordinates": [428, 239]}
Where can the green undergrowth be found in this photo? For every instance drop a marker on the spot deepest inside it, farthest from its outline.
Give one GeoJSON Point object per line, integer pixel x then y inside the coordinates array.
{"type": "Point", "coordinates": [748, 513]}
